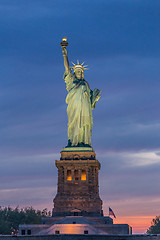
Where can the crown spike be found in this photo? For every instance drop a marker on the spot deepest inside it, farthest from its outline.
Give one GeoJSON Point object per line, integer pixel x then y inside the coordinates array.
{"type": "Point", "coordinates": [79, 65]}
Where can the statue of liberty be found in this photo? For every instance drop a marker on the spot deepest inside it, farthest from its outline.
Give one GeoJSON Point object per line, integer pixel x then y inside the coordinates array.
{"type": "Point", "coordinates": [81, 101]}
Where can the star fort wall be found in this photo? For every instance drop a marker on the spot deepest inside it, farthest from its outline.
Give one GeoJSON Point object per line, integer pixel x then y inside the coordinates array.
{"type": "Point", "coordinates": [80, 237]}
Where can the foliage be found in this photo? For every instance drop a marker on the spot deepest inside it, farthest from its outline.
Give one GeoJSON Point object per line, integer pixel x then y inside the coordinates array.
{"type": "Point", "coordinates": [11, 218]}
{"type": "Point", "coordinates": [155, 226]}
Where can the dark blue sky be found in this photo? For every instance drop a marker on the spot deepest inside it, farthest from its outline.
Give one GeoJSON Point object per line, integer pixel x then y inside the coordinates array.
{"type": "Point", "coordinates": [120, 41]}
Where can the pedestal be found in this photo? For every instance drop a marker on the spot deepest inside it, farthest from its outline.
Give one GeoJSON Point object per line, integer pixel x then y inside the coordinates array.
{"type": "Point", "coordinates": [78, 189]}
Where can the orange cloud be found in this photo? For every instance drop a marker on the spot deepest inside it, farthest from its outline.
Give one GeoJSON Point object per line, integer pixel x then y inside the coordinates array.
{"type": "Point", "coordinates": [139, 224]}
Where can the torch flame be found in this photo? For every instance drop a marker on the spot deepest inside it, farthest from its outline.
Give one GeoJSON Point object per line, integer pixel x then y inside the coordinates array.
{"type": "Point", "coordinates": [64, 39]}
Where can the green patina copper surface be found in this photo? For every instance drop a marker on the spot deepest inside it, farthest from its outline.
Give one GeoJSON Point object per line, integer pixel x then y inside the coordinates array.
{"type": "Point", "coordinates": [77, 149]}
{"type": "Point", "coordinates": [81, 101]}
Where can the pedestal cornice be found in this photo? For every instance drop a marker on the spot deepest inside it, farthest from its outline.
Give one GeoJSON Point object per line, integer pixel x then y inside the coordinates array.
{"type": "Point", "coordinates": [78, 163]}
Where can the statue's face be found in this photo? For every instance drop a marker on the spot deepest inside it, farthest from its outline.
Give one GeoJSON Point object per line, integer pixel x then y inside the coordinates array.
{"type": "Point", "coordinates": [78, 73]}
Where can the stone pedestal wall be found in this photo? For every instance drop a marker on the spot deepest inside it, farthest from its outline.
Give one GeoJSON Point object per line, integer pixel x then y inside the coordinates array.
{"type": "Point", "coordinates": [78, 189]}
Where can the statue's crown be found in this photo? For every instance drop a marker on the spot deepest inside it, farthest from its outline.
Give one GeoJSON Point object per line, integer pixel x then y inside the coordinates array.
{"type": "Point", "coordinates": [78, 65]}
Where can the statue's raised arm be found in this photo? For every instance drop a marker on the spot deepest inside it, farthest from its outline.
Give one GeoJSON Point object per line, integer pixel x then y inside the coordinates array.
{"type": "Point", "coordinates": [64, 44]}
{"type": "Point", "coordinates": [81, 101]}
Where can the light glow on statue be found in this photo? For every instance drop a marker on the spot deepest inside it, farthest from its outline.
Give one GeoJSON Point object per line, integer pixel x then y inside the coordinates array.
{"type": "Point", "coordinates": [81, 101]}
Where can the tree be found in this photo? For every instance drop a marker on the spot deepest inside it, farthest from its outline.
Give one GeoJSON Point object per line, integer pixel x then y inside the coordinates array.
{"type": "Point", "coordinates": [11, 218]}
{"type": "Point", "coordinates": [155, 226]}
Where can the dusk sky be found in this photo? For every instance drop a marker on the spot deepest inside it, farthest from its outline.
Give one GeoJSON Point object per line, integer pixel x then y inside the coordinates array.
{"type": "Point", "coordinates": [119, 40]}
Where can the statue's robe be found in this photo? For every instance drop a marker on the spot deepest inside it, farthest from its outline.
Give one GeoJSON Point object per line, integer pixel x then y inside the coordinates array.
{"type": "Point", "coordinates": [79, 110]}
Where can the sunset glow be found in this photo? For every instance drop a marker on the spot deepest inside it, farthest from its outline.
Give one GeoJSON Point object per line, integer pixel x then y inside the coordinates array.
{"type": "Point", "coordinates": [139, 223]}
{"type": "Point", "coordinates": [123, 59]}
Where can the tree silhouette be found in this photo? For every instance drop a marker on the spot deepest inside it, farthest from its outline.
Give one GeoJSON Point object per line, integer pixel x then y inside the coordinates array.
{"type": "Point", "coordinates": [11, 218]}
{"type": "Point", "coordinates": [155, 226]}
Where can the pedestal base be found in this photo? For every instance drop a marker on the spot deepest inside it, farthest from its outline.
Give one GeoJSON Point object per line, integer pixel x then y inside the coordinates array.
{"type": "Point", "coordinates": [78, 190]}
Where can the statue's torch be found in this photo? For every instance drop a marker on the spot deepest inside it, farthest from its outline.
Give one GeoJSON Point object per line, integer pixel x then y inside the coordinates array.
{"type": "Point", "coordinates": [64, 42]}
